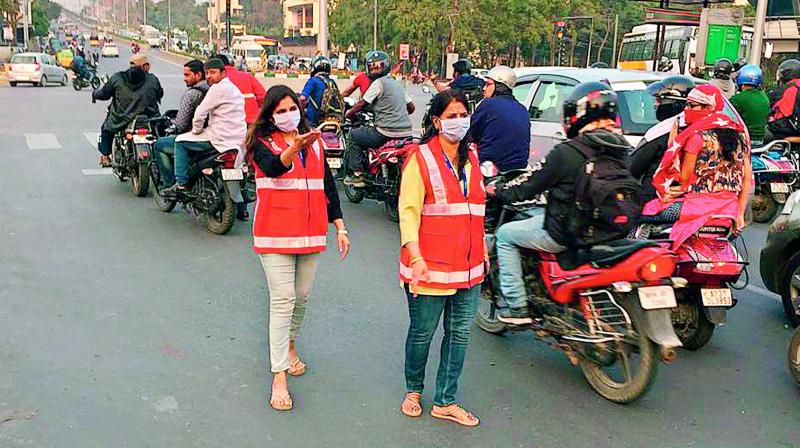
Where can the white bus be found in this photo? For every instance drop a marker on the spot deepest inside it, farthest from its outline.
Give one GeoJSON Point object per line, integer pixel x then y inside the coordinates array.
{"type": "Point", "coordinates": [680, 46]}
{"type": "Point", "coordinates": [152, 36]}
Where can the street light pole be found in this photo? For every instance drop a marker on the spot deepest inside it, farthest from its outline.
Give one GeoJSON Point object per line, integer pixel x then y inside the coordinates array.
{"type": "Point", "coordinates": [322, 36]}
{"type": "Point", "coordinates": [127, 24]}
{"type": "Point", "coordinates": [144, 13]}
{"type": "Point", "coordinates": [614, 51]}
{"type": "Point", "coordinates": [169, 24]}
{"type": "Point", "coordinates": [26, 17]}
{"type": "Point", "coordinates": [758, 32]}
{"type": "Point", "coordinates": [375, 27]}
{"type": "Point", "coordinates": [589, 50]}
{"type": "Point", "coordinates": [228, 24]}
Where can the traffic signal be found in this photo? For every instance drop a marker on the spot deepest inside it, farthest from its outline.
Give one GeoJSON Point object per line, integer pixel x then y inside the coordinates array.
{"type": "Point", "coordinates": [561, 29]}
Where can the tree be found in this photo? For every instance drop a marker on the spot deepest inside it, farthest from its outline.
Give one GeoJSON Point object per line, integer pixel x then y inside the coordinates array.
{"type": "Point", "coordinates": [9, 9]}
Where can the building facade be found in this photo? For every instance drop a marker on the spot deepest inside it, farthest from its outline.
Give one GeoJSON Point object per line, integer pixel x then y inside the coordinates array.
{"type": "Point", "coordinates": [300, 18]}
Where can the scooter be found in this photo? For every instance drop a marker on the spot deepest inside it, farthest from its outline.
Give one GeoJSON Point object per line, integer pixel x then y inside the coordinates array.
{"type": "Point", "coordinates": [776, 171]}
{"type": "Point", "coordinates": [333, 145]}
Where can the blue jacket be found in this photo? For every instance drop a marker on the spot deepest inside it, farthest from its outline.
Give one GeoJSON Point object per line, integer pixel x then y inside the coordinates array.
{"type": "Point", "coordinates": [313, 91]}
{"type": "Point", "coordinates": [501, 128]}
{"type": "Point", "coordinates": [467, 82]}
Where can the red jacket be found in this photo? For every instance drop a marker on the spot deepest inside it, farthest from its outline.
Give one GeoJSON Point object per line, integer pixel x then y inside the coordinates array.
{"type": "Point", "coordinates": [451, 235]}
{"type": "Point", "coordinates": [252, 90]}
{"type": "Point", "coordinates": [291, 215]}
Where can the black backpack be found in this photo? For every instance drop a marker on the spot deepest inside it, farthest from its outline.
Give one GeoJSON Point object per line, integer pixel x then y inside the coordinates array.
{"type": "Point", "coordinates": [607, 200]}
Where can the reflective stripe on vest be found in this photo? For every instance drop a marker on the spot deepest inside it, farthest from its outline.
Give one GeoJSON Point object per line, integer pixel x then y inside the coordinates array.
{"type": "Point", "coordinates": [249, 95]}
{"type": "Point", "coordinates": [435, 176]}
{"type": "Point", "coordinates": [453, 209]}
{"type": "Point", "coordinates": [446, 278]}
{"type": "Point", "coordinates": [289, 184]}
{"type": "Point", "coordinates": [299, 242]}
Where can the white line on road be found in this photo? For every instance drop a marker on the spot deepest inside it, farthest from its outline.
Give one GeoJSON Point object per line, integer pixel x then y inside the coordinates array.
{"type": "Point", "coordinates": [91, 137]}
{"type": "Point", "coordinates": [96, 171]}
{"type": "Point", "coordinates": [42, 141]}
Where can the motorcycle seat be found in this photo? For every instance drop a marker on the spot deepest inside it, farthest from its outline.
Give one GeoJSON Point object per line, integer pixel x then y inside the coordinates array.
{"type": "Point", "coordinates": [603, 255]}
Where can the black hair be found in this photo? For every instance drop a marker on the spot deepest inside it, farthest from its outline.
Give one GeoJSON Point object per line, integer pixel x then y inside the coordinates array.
{"type": "Point", "coordinates": [729, 141]}
{"type": "Point", "coordinates": [264, 125]}
{"type": "Point", "coordinates": [196, 67]}
{"type": "Point", "coordinates": [438, 105]}
{"type": "Point", "coordinates": [501, 89]}
{"type": "Point", "coordinates": [225, 60]}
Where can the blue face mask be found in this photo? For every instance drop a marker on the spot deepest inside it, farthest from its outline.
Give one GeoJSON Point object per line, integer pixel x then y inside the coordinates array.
{"type": "Point", "coordinates": [455, 129]}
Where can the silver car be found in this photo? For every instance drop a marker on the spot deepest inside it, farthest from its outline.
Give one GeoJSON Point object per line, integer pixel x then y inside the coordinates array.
{"type": "Point", "coordinates": [38, 69]}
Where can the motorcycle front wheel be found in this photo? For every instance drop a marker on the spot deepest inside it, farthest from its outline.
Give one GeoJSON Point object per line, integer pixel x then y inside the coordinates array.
{"type": "Point", "coordinates": [486, 314]}
{"type": "Point", "coordinates": [95, 82]}
{"type": "Point", "coordinates": [628, 366]}
{"type": "Point", "coordinates": [794, 357]}
{"type": "Point", "coordinates": [391, 201]}
{"type": "Point", "coordinates": [76, 84]}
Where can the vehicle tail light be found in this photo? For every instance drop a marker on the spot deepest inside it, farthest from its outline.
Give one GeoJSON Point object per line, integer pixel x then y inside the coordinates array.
{"type": "Point", "coordinates": [144, 154]}
{"type": "Point", "coordinates": [208, 171]}
{"type": "Point", "coordinates": [657, 268]}
{"type": "Point", "coordinates": [38, 67]}
{"type": "Point", "coordinates": [142, 131]}
{"type": "Point", "coordinates": [128, 136]}
{"type": "Point", "coordinates": [9, 67]}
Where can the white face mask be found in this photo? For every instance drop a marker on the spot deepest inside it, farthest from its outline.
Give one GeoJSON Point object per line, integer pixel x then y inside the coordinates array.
{"type": "Point", "coordinates": [455, 129]}
{"type": "Point", "coordinates": [287, 121]}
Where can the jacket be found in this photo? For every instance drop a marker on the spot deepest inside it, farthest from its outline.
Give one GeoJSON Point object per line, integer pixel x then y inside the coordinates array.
{"type": "Point", "coordinates": [501, 128]}
{"type": "Point", "coordinates": [189, 101]}
{"type": "Point", "coordinates": [557, 175]}
{"type": "Point", "coordinates": [132, 92]}
{"type": "Point", "coordinates": [252, 90]}
{"type": "Point", "coordinates": [784, 112]}
{"type": "Point", "coordinates": [219, 119]}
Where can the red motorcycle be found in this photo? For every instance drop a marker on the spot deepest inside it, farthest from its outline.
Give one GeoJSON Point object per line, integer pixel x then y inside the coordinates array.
{"type": "Point", "coordinates": [607, 308]}
{"type": "Point", "coordinates": [710, 263]}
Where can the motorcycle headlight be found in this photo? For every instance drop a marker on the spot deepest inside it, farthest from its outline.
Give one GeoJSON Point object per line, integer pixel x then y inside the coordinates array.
{"type": "Point", "coordinates": [790, 203]}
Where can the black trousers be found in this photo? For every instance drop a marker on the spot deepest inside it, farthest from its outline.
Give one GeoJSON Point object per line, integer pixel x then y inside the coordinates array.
{"type": "Point", "coordinates": [358, 142]}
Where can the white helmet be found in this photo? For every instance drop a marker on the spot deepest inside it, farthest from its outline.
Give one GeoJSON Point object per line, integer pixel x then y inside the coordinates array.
{"type": "Point", "coordinates": [504, 75]}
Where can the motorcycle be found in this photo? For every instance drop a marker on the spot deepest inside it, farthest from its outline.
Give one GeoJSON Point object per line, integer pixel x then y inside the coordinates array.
{"type": "Point", "coordinates": [710, 263]}
{"type": "Point", "coordinates": [775, 169]}
{"type": "Point", "coordinates": [333, 145]}
{"type": "Point", "coordinates": [94, 81]}
{"type": "Point", "coordinates": [382, 178]}
{"type": "Point", "coordinates": [131, 152]}
{"type": "Point", "coordinates": [216, 185]}
{"type": "Point", "coordinates": [607, 308]}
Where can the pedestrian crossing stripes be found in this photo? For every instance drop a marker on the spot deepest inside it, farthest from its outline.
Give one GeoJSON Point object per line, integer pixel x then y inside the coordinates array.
{"type": "Point", "coordinates": [42, 141]}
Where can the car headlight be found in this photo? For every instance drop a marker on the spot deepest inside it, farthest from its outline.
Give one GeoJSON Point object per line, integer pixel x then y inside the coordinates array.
{"type": "Point", "coordinates": [790, 203]}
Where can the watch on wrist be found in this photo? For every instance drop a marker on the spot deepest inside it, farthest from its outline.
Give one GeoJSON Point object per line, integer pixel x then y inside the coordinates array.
{"type": "Point", "coordinates": [342, 232]}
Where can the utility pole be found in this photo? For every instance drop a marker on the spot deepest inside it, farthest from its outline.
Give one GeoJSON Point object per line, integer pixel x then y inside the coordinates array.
{"type": "Point", "coordinates": [144, 13]}
{"type": "Point", "coordinates": [758, 32]}
{"type": "Point", "coordinates": [614, 45]}
{"type": "Point", "coordinates": [228, 24]}
{"type": "Point", "coordinates": [322, 36]}
{"type": "Point", "coordinates": [169, 24]}
{"type": "Point", "coordinates": [375, 27]}
{"type": "Point", "coordinates": [26, 20]}
{"type": "Point", "coordinates": [589, 50]}
{"type": "Point", "coordinates": [127, 19]}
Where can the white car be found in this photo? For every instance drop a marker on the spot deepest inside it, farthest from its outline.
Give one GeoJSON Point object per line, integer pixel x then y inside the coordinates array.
{"type": "Point", "coordinates": [110, 50]}
{"type": "Point", "coordinates": [38, 69]}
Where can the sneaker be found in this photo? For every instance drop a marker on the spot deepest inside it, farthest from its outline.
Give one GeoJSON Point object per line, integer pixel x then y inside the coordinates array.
{"type": "Point", "coordinates": [355, 180]}
{"type": "Point", "coordinates": [515, 316]}
{"type": "Point", "coordinates": [241, 212]}
{"type": "Point", "coordinates": [105, 161]}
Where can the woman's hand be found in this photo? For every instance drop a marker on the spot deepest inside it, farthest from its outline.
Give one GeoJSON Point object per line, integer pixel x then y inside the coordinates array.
{"type": "Point", "coordinates": [306, 139]}
{"type": "Point", "coordinates": [344, 245]}
{"type": "Point", "coordinates": [741, 223]}
{"type": "Point", "coordinates": [673, 192]}
{"type": "Point", "coordinates": [419, 271]}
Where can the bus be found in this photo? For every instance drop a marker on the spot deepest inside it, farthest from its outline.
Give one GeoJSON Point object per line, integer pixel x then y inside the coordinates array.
{"type": "Point", "coordinates": [151, 36]}
{"type": "Point", "coordinates": [680, 46]}
{"type": "Point", "coordinates": [270, 45]}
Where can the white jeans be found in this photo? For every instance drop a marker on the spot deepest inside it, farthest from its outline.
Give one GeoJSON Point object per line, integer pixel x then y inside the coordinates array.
{"type": "Point", "coordinates": [289, 278]}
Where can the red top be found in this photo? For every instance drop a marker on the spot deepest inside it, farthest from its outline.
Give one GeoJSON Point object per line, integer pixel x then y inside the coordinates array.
{"type": "Point", "coordinates": [252, 90]}
{"type": "Point", "coordinates": [362, 81]}
{"type": "Point", "coordinates": [784, 107]}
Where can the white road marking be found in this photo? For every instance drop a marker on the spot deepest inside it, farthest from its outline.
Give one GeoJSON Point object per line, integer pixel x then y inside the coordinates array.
{"type": "Point", "coordinates": [96, 171]}
{"type": "Point", "coordinates": [91, 137]}
{"type": "Point", "coordinates": [42, 141]}
{"type": "Point", "coordinates": [764, 292]}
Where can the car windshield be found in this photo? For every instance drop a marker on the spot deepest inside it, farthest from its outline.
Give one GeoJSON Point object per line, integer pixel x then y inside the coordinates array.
{"type": "Point", "coordinates": [23, 59]}
{"type": "Point", "coordinates": [637, 111]}
{"type": "Point", "coordinates": [253, 53]}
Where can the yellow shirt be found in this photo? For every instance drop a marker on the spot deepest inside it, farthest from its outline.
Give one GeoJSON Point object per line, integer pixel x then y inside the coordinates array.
{"type": "Point", "coordinates": [412, 197]}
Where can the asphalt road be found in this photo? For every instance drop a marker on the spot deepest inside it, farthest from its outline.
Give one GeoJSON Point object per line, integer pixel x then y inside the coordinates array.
{"type": "Point", "coordinates": [124, 326]}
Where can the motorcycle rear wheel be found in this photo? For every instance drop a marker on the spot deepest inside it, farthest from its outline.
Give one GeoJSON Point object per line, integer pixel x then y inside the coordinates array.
{"type": "Point", "coordinates": [764, 207]}
{"type": "Point", "coordinates": [76, 84]}
{"type": "Point", "coordinates": [794, 357]}
{"type": "Point", "coordinates": [696, 330]}
{"type": "Point", "coordinates": [140, 180]}
{"type": "Point", "coordinates": [220, 219]}
{"type": "Point", "coordinates": [634, 384]}
{"type": "Point", "coordinates": [354, 195]}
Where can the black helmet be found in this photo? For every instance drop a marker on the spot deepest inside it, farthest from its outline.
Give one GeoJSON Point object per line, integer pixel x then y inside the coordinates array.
{"type": "Point", "coordinates": [670, 93]}
{"type": "Point", "coordinates": [377, 64]}
{"type": "Point", "coordinates": [462, 66]}
{"type": "Point", "coordinates": [588, 102]}
{"type": "Point", "coordinates": [723, 69]}
{"type": "Point", "coordinates": [320, 64]}
{"type": "Point", "coordinates": [599, 65]}
{"type": "Point", "coordinates": [788, 70]}
{"type": "Point", "coordinates": [739, 63]}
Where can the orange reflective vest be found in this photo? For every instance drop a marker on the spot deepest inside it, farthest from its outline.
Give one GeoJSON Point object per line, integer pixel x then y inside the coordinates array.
{"type": "Point", "coordinates": [291, 212]}
{"type": "Point", "coordinates": [451, 235]}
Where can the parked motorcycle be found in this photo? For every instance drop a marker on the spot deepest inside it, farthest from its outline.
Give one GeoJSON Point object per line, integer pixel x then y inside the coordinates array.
{"type": "Point", "coordinates": [710, 263]}
{"type": "Point", "coordinates": [215, 185]}
{"type": "Point", "coordinates": [131, 152]}
{"type": "Point", "coordinates": [607, 308]}
{"type": "Point", "coordinates": [93, 81]}
{"type": "Point", "coordinates": [776, 172]}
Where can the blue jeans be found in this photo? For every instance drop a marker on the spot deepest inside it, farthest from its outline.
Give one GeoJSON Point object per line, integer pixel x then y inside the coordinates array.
{"type": "Point", "coordinates": [165, 149]}
{"type": "Point", "coordinates": [424, 312]}
{"type": "Point", "coordinates": [528, 233]}
{"type": "Point", "coordinates": [106, 142]}
{"type": "Point", "coordinates": [182, 150]}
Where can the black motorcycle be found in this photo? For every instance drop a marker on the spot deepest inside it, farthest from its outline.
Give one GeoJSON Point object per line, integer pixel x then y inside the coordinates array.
{"type": "Point", "coordinates": [92, 80]}
{"type": "Point", "coordinates": [215, 185]}
{"type": "Point", "coordinates": [131, 153]}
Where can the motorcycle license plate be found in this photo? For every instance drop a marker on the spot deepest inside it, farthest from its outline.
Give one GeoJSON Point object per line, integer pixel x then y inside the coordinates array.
{"type": "Point", "coordinates": [779, 187]}
{"type": "Point", "coordinates": [717, 297]}
{"type": "Point", "coordinates": [657, 297]}
{"type": "Point", "coordinates": [140, 139]}
{"type": "Point", "coordinates": [232, 174]}
{"type": "Point", "coordinates": [334, 163]}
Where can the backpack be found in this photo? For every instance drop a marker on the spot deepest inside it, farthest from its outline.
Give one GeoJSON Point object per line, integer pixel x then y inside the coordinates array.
{"type": "Point", "coordinates": [332, 105]}
{"type": "Point", "coordinates": [607, 200]}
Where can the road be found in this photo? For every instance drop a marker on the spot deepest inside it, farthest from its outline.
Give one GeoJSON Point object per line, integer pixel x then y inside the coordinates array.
{"type": "Point", "coordinates": [125, 326]}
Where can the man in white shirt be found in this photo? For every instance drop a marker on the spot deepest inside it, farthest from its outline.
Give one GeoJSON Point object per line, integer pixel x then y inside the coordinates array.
{"type": "Point", "coordinates": [218, 123]}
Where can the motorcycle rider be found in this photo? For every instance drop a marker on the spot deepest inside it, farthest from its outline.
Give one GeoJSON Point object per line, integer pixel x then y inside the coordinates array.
{"type": "Point", "coordinates": [315, 90]}
{"type": "Point", "coordinates": [253, 91]}
{"type": "Point", "coordinates": [501, 126]}
{"type": "Point", "coordinates": [79, 66]}
{"type": "Point", "coordinates": [132, 92]}
{"type": "Point", "coordinates": [194, 76]}
{"type": "Point", "coordinates": [590, 121]}
{"type": "Point", "coordinates": [670, 100]}
{"type": "Point", "coordinates": [392, 109]}
{"type": "Point", "coordinates": [361, 83]}
{"type": "Point", "coordinates": [737, 66]}
{"type": "Point", "coordinates": [752, 103]}
{"type": "Point", "coordinates": [218, 124]}
{"type": "Point", "coordinates": [784, 114]}
{"type": "Point", "coordinates": [462, 78]}
{"type": "Point", "coordinates": [721, 77]}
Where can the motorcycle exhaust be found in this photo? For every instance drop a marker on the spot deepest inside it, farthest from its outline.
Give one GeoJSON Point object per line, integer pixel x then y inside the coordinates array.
{"type": "Point", "coordinates": [668, 354]}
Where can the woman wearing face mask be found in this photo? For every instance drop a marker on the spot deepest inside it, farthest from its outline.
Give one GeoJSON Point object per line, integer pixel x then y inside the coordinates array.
{"type": "Point", "coordinates": [443, 254]}
{"type": "Point", "coordinates": [296, 200]}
